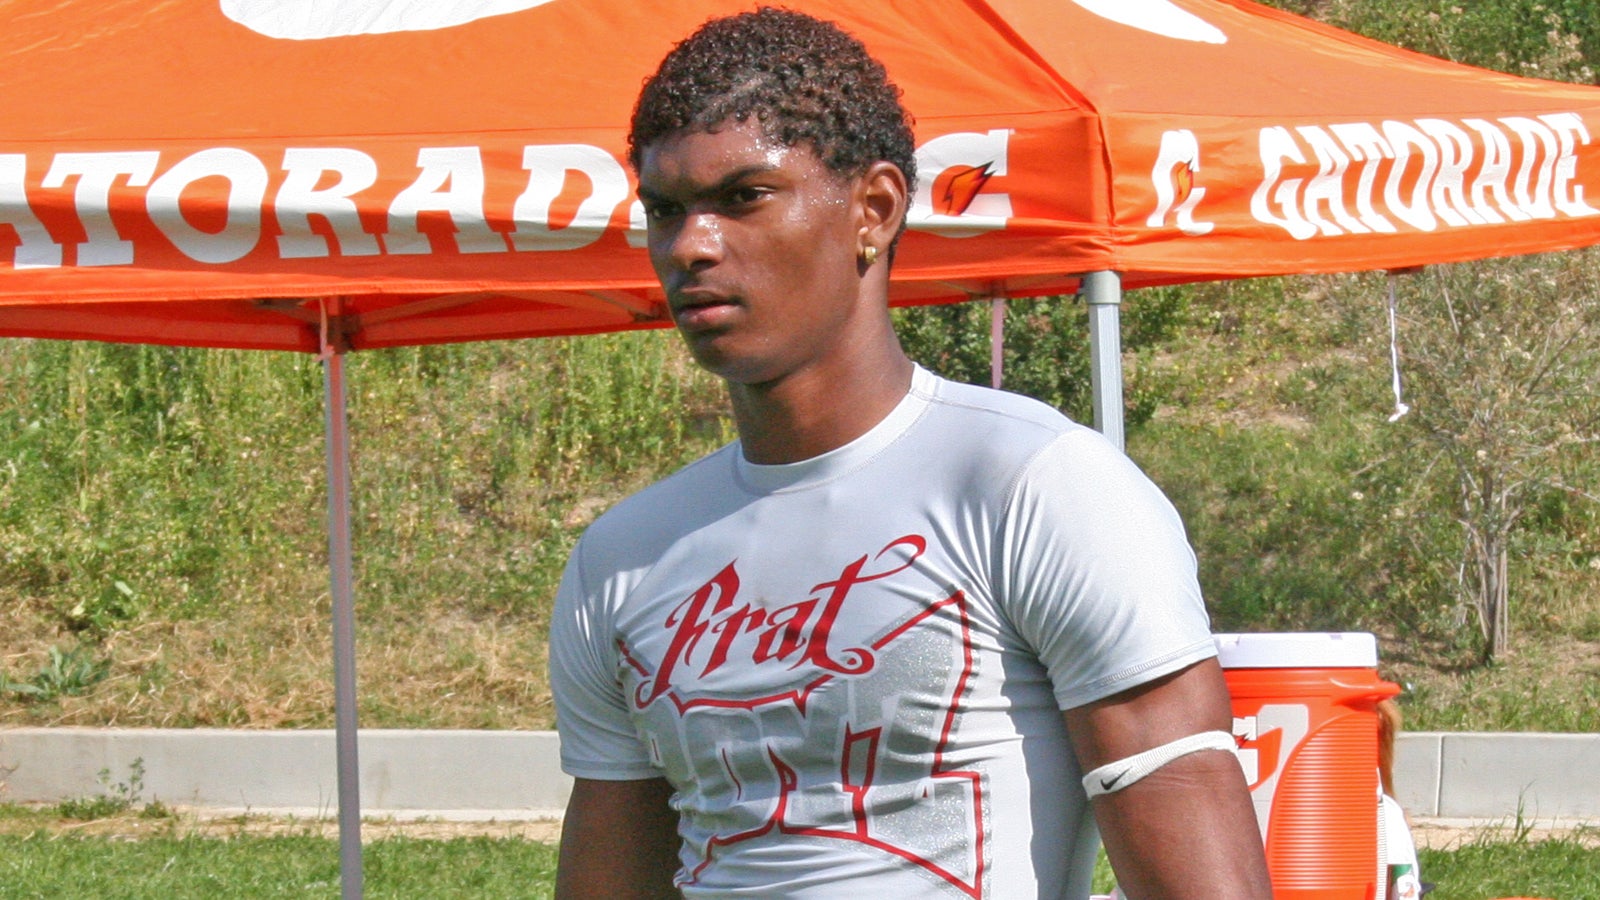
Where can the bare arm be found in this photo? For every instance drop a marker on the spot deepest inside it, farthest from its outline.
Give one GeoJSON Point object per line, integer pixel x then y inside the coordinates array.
{"type": "Point", "coordinates": [1188, 830]}
{"type": "Point", "coordinates": [619, 841]}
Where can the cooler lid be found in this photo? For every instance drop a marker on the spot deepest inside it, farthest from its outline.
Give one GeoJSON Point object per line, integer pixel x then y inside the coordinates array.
{"type": "Point", "coordinates": [1319, 650]}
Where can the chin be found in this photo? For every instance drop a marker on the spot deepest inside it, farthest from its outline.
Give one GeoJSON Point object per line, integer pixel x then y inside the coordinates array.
{"type": "Point", "coordinates": [724, 362]}
{"type": "Point", "coordinates": [742, 372]}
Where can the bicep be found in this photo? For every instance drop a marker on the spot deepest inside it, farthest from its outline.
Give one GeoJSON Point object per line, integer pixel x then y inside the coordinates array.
{"type": "Point", "coordinates": [619, 839]}
{"type": "Point", "coordinates": [1189, 701]}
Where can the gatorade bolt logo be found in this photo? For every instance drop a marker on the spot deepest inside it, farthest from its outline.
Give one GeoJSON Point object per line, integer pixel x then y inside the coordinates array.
{"type": "Point", "coordinates": [958, 186]}
{"type": "Point", "coordinates": [954, 196]}
{"type": "Point", "coordinates": [1173, 179]}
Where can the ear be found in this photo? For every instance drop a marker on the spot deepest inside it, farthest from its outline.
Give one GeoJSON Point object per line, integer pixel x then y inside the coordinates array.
{"type": "Point", "coordinates": [882, 205]}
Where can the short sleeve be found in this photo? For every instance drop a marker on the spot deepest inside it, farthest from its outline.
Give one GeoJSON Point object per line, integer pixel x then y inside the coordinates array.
{"type": "Point", "coordinates": [1097, 572]}
{"type": "Point", "coordinates": [598, 739]}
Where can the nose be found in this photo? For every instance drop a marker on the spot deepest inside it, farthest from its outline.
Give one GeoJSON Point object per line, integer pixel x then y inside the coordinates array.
{"type": "Point", "coordinates": [695, 242]}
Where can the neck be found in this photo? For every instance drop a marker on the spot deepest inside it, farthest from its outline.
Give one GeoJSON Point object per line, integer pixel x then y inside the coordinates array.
{"type": "Point", "coordinates": [822, 408]}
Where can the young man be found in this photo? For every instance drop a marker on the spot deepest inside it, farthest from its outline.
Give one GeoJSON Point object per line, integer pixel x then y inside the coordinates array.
{"type": "Point", "coordinates": [874, 644]}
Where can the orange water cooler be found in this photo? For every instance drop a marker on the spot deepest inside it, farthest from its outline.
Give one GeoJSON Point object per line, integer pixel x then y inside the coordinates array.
{"type": "Point", "coordinates": [1305, 717]}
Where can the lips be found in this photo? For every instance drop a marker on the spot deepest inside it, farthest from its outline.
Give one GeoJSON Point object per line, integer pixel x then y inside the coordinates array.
{"type": "Point", "coordinates": [698, 309]}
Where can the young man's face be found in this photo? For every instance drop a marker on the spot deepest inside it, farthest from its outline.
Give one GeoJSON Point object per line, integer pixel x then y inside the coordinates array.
{"type": "Point", "coordinates": [756, 245]}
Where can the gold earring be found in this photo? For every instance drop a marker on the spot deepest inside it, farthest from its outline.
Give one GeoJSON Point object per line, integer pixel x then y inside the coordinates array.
{"type": "Point", "coordinates": [869, 254]}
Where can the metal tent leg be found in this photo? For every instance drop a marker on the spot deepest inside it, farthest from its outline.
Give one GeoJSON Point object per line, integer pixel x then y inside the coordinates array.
{"type": "Point", "coordinates": [1103, 292]}
{"type": "Point", "coordinates": [997, 341]}
{"type": "Point", "coordinates": [344, 644]}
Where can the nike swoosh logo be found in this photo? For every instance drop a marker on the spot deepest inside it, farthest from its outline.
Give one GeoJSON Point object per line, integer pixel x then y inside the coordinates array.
{"type": "Point", "coordinates": [1107, 784]}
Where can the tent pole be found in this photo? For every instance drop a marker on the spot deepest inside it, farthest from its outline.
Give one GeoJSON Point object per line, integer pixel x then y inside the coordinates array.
{"type": "Point", "coordinates": [997, 340]}
{"type": "Point", "coordinates": [1103, 292]}
{"type": "Point", "coordinates": [344, 645]}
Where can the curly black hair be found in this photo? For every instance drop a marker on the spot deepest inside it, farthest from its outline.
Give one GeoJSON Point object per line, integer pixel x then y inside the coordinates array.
{"type": "Point", "coordinates": [805, 80]}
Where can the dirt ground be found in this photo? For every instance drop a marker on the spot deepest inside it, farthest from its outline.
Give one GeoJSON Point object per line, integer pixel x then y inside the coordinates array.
{"type": "Point", "coordinates": [1446, 834]}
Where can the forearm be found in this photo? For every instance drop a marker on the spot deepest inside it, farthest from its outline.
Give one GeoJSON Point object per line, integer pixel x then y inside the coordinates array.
{"type": "Point", "coordinates": [1188, 830]}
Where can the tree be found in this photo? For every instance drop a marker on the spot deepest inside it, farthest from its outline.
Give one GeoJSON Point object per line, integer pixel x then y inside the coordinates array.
{"type": "Point", "coordinates": [1554, 39]}
{"type": "Point", "coordinates": [1501, 360]}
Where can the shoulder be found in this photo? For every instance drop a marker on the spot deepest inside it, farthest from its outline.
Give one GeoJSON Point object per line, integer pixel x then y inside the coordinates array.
{"type": "Point", "coordinates": [996, 408]}
{"type": "Point", "coordinates": [1015, 438]}
{"type": "Point", "coordinates": [634, 533]}
{"type": "Point", "coordinates": [990, 423]}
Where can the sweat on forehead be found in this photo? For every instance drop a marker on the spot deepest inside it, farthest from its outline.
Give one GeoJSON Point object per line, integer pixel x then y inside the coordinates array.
{"type": "Point", "coordinates": [804, 80]}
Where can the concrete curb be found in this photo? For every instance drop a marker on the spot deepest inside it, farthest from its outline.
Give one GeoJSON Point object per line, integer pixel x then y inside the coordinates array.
{"type": "Point", "coordinates": [507, 775]}
{"type": "Point", "coordinates": [449, 774]}
{"type": "Point", "coordinates": [1468, 775]}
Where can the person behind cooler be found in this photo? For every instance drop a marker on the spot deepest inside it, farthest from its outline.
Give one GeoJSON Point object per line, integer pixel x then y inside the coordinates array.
{"type": "Point", "coordinates": [871, 647]}
{"type": "Point", "coordinates": [1399, 850]}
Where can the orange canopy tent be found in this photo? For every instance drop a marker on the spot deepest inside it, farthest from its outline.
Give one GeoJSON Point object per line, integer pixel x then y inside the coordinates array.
{"type": "Point", "coordinates": [189, 172]}
{"type": "Point", "coordinates": [323, 175]}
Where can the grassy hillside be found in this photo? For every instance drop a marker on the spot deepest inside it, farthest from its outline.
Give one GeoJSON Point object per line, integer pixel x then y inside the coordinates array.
{"type": "Point", "coordinates": [162, 522]}
{"type": "Point", "coordinates": [162, 543]}
{"type": "Point", "coordinates": [1312, 510]}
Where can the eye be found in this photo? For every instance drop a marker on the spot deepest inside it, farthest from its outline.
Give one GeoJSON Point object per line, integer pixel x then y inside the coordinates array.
{"type": "Point", "coordinates": [661, 210]}
{"type": "Point", "coordinates": [747, 195]}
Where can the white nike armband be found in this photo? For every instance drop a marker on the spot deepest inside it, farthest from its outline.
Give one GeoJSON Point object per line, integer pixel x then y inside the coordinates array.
{"type": "Point", "coordinates": [1115, 776]}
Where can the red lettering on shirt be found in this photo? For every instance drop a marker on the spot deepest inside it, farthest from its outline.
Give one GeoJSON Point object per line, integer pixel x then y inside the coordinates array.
{"type": "Point", "coordinates": [707, 626]}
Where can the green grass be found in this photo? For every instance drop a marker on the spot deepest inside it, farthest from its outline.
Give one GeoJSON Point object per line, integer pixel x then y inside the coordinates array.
{"type": "Point", "coordinates": [302, 866]}
{"type": "Point", "coordinates": [1515, 696]}
{"type": "Point", "coordinates": [207, 868]}
{"type": "Point", "coordinates": [1560, 869]}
